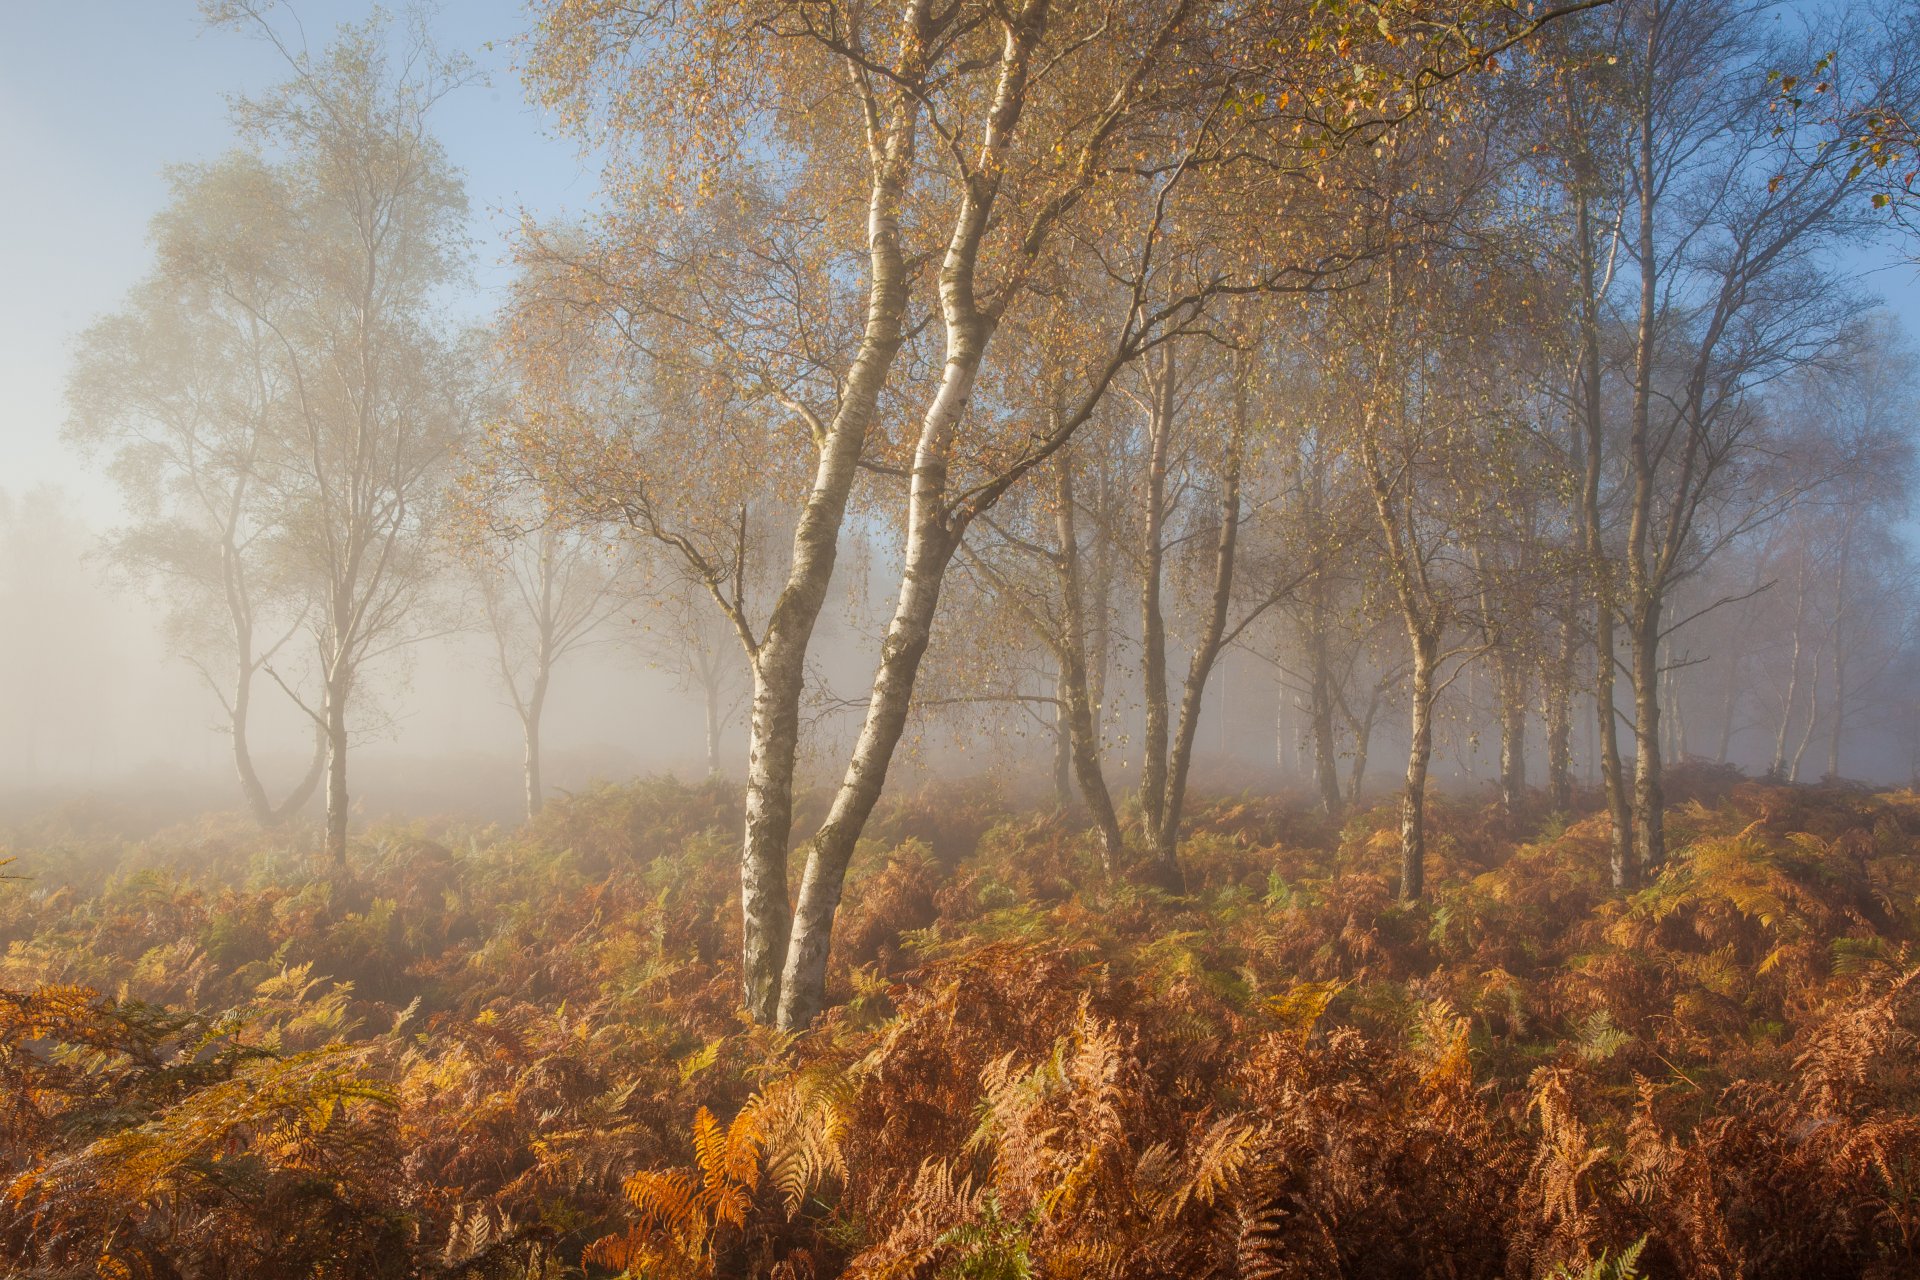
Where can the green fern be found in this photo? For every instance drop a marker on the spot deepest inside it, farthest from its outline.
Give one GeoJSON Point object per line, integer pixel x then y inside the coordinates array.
{"type": "Point", "coordinates": [1624, 1265]}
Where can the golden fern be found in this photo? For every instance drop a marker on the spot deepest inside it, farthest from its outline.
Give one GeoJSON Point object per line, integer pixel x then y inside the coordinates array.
{"type": "Point", "coordinates": [787, 1136]}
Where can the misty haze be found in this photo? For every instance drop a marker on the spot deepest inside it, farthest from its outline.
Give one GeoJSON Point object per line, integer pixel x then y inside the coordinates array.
{"type": "Point", "coordinates": [961, 638]}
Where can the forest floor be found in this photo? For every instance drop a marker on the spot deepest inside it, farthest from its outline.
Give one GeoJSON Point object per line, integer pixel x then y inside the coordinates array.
{"type": "Point", "coordinates": [517, 1053]}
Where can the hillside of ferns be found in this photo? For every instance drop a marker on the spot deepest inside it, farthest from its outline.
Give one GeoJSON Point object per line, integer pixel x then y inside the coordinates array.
{"type": "Point", "coordinates": [498, 1053]}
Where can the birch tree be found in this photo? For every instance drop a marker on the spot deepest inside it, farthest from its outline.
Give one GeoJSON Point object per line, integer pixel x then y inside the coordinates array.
{"type": "Point", "coordinates": [1732, 208]}
{"type": "Point", "coordinates": [360, 220]}
{"type": "Point", "coordinates": [186, 391]}
{"type": "Point", "coordinates": [956, 146]}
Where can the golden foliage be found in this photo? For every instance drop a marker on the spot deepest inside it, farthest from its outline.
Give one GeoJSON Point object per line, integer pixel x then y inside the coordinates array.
{"type": "Point", "coordinates": [1087, 1083]}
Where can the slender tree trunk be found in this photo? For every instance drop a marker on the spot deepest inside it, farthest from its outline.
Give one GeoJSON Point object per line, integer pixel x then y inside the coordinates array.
{"type": "Point", "coordinates": [1730, 702]}
{"type": "Point", "coordinates": [715, 721]}
{"type": "Point", "coordinates": [1062, 744]}
{"type": "Point", "coordinates": [1777, 768]}
{"type": "Point", "coordinates": [1813, 719]}
{"type": "Point", "coordinates": [1645, 581]}
{"type": "Point", "coordinates": [1676, 711]}
{"type": "Point", "coordinates": [240, 706]}
{"type": "Point", "coordinates": [1649, 816]}
{"type": "Point", "coordinates": [1153, 630]}
{"type": "Point", "coordinates": [530, 718]}
{"type": "Point", "coordinates": [335, 713]}
{"type": "Point", "coordinates": [1606, 715]}
{"type": "Point", "coordinates": [779, 659]}
{"type": "Point", "coordinates": [803, 987]}
{"type": "Point", "coordinates": [930, 545]}
{"type": "Point", "coordinates": [1078, 701]}
{"type": "Point", "coordinates": [238, 712]}
{"type": "Point", "coordinates": [264, 811]}
{"type": "Point", "coordinates": [1510, 690]}
{"type": "Point", "coordinates": [1413, 801]}
{"type": "Point", "coordinates": [1840, 605]}
{"type": "Point", "coordinates": [1362, 740]}
{"type": "Point", "coordinates": [1097, 609]}
{"type": "Point", "coordinates": [1612, 770]}
{"type": "Point", "coordinates": [1282, 731]}
{"type": "Point", "coordinates": [1558, 709]}
{"type": "Point", "coordinates": [1207, 652]}
{"type": "Point", "coordinates": [1320, 696]}
{"type": "Point", "coordinates": [777, 683]}
{"type": "Point", "coordinates": [536, 792]}
{"type": "Point", "coordinates": [932, 540]}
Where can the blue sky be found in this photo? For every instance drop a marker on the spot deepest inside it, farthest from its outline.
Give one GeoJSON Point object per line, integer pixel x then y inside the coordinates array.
{"type": "Point", "coordinates": [97, 97]}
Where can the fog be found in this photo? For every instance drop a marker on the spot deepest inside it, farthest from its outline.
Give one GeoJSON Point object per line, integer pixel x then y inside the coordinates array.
{"type": "Point", "coordinates": [986, 637]}
{"type": "Point", "coordinates": [98, 701]}
{"type": "Point", "coordinates": [224, 556]}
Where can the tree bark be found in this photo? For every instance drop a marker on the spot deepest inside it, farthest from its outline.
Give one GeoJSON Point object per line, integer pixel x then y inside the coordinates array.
{"type": "Point", "coordinates": [335, 712]}
{"type": "Point", "coordinates": [1510, 689]}
{"type": "Point", "coordinates": [715, 725]}
{"type": "Point", "coordinates": [1413, 801]}
{"type": "Point", "coordinates": [1558, 712]}
{"type": "Point", "coordinates": [1840, 602]}
{"type": "Point", "coordinates": [1078, 702]}
{"type": "Point", "coordinates": [1207, 651]}
{"type": "Point", "coordinates": [264, 811]}
{"type": "Point", "coordinates": [1062, 744]}
{"type": "Point", "coordinates": [1645, 580]}
{"type": "Point", "coordinates": [530, 724]}
{"type": "Point", "coordinates": [1813, 719]}
{"type": "Point", "coordinates": [779, 659]}
{"type": "Point", "coordinates": [1649, 816]}
{"type": "Point", "coordinates": [1606, 715]}
{"type": "Point", "coordinates": [930, 545]}
{"type": "Point", "coordinates": [1320, 701]}
{"type": "Point", "coordinates": [1153, 631]}
{"type": "Point", "coordinates": [1362, 741]}
{"type": "Point", "coordinates": [932, 539]}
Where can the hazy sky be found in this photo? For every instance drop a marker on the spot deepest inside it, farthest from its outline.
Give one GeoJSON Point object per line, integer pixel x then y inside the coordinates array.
{"type": "Point", "coordinates": [97, 97]}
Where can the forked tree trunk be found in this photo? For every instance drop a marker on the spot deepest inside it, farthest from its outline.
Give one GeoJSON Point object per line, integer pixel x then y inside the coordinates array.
{"type": "Point", "coordinates": [930, 546]}
{"type": "Point", "coordinates": [1813, 718]}
{"type": "Point", "coordinates": [246, 667]}
{"type": "Point", "coordinates": [264, 811]}
{"type": "Point", "coordinates": [779, 661]}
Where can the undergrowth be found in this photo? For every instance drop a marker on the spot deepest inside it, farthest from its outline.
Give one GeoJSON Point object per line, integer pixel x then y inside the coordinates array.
{"type": "Point", "coordinates": [516, 1054]}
